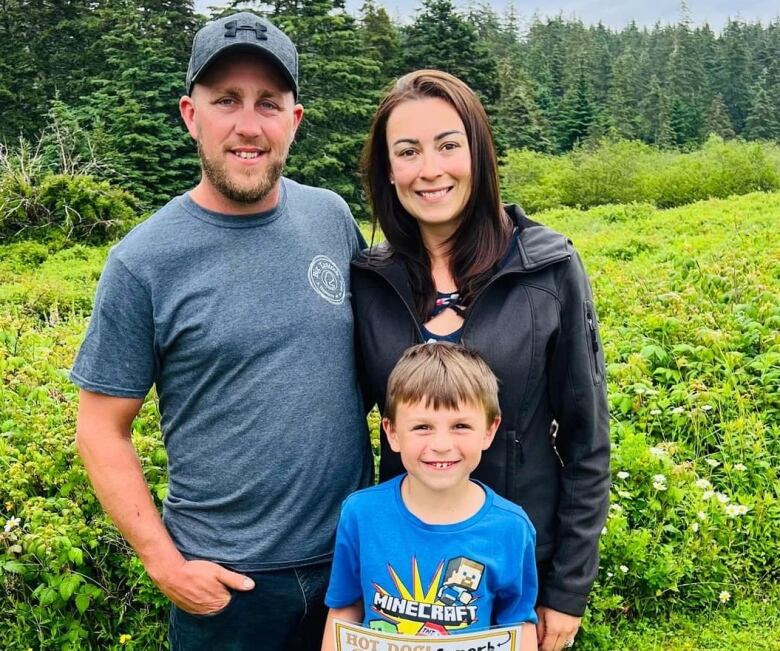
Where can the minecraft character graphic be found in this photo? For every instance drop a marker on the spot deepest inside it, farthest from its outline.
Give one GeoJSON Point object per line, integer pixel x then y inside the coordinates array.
{"type": "Point", "coordinates": [382, 625]}
{"type": "Point", "coordinates": [462, 579]}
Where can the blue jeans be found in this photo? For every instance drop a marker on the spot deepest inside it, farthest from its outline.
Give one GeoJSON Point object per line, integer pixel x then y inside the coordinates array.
{"type": "Point", "coordinates": [284, 612]}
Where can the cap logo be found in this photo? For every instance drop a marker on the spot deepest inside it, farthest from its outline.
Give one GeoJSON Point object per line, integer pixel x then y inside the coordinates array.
{"type": "Point", "coordinates": [231, 27]}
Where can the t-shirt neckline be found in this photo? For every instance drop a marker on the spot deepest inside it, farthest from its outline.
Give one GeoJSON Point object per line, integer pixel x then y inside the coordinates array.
{"type": "Point", "coordinates": [223, 220]}
{"type": "Point", "coordinates": [441, 528]}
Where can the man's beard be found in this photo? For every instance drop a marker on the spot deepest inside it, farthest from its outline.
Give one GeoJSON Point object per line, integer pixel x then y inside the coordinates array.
{"type": "Point", "coordinates": [216, 171]}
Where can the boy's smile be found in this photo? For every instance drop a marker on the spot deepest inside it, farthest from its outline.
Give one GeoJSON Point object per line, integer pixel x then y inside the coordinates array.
{"type": "Point", "coordinates": [440, 447]}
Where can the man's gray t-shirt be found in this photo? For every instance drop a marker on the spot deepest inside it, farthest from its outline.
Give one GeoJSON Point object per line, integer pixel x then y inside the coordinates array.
{"type": "Point", "coordinates": [244, 325]}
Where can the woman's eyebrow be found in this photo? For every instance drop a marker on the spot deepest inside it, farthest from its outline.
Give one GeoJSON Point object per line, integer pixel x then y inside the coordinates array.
{"type": "Point", "coordinates": [439, 136]}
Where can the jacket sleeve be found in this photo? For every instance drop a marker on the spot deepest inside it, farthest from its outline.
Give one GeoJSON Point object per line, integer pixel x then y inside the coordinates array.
{"type": "Point", "coordinates": [579, 402]}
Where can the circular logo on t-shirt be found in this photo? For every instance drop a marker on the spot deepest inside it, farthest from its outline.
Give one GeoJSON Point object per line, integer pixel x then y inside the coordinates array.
{"type": "Point", "coordinates": [326, 279]}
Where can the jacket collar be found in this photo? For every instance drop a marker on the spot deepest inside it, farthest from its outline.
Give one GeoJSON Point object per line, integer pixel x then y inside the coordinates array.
{"type": "Point", "coordinates": [534, 247]}
{"type": "Point", "coordinates": [537, 246]}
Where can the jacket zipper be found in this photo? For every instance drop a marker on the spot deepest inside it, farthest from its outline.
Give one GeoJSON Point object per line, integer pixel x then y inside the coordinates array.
{"type": "Point", "coordinates": [590, 322]}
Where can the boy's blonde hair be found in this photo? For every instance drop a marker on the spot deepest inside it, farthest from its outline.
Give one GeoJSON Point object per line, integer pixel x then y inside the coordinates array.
{"type": "Point", "coordinates": [444, 375]}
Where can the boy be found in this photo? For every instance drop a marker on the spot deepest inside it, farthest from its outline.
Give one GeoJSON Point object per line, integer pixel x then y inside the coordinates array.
{"type": "Point", "coordinates": [433, 552]}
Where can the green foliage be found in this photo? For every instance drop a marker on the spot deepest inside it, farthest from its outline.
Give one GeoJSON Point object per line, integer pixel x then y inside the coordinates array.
{"type": "Point", "coordinates": [689, 314]}
{"type": "Point", "coordinates": [623, 172]}
{"type": "Point", "coordinates": [66, 575]}
{"type": "Point", "coordinates": [440, 37]}
{"type": "Point", "coordinates": [338, 90]}
{"type": "Point", "coordinates": [48, 193]}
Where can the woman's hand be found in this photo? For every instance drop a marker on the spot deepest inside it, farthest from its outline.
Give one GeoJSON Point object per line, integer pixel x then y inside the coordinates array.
{"type": "Point", "coordinates": [555, 629]}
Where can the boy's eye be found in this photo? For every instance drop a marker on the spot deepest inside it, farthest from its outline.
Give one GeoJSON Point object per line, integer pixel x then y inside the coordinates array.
{"type": "Point", "coordinates": [420, 427]}
{"type": "Point", "coordinates": [462, 426]}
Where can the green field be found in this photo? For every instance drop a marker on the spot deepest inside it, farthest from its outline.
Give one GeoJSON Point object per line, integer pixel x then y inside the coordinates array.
{"type": "Point", "coordinates": [689, 302]}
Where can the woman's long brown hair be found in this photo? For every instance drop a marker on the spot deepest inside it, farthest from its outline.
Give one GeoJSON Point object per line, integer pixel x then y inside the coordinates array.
{"type": "Point", "coordinates": [481, 237]}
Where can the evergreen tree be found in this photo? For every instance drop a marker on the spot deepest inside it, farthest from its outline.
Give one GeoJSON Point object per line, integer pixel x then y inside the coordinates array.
{"type": "Point", "coordinates": [577, 115]}
{"type": "Point", "coordinates": [381, 39]}
{"type": "Point", "coordinates": [519, 123]}
{"type": "Point", "coordinates": [718, 120]}
{"type": "Point", "coordinates": [761, 122]}
{"type": "Point", "coordinates": [339, 91]}
{"type": "Point", "coordinates": [442, 38]}
{"type": "Point", "coordinates": [134, 100]}
{"type": "Point", "coordinates": [657, 115]}
{"type": "Point", "coordinates": [735, 73]}
{"type": "Point", "coordinates": [42, 53]}
{"type": "Point", "coordinates": [621, 109]}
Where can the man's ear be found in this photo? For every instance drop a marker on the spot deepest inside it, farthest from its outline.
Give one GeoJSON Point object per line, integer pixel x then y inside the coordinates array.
{"type": "Point", "coordinates": [187, 112]}
{"type": "Point", "coordinates": [490, 432]}
{"type": "Point", "coordinates": [392, 435]}
{"type": "Point", "coordinates": [297, 118]}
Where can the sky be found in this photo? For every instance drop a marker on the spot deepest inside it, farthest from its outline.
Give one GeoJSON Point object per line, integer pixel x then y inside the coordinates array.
{"type": "Point", "coordinates": [615, 14]}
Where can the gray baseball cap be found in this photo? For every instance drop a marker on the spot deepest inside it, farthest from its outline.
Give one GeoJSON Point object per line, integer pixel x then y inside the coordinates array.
{"type": "Point", "coordinates": [243, 31]}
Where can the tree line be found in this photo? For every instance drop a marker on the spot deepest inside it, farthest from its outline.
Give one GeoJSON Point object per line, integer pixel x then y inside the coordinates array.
{"type": "Point", "coordinates": [99, 80]}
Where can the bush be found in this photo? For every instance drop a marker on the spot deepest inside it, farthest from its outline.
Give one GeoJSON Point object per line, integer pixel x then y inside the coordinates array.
{"type": "Point", "coordinates": [40, 204]}
{"type": "Point", "coordinates": [626, 171]}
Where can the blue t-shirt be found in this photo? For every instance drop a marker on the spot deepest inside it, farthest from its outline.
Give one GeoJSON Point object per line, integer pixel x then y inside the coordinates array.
{"type": "Point", "coordinates": [433, 579]}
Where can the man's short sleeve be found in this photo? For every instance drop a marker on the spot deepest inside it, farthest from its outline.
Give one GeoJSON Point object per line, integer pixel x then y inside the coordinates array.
{"type": "Point", "coordinates": [117, 355]}
{"type": "Point", "coordinates": [344, 588]}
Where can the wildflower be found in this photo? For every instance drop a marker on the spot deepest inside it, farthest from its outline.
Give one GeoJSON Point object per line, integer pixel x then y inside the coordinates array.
{"type": "Point", "coordinates": [678, 410]}
{"type": "Point", "coordinates": [723, 499]}
{"type": "Point", "coordinates": [732, 510]}
{"type": "Point", "coordinates": [655, 412]}
{"type": "Point", "coordinates": [712, 463]}
{"type": "Point", "coordinates": [724, 597]}
{"type": "Point", "coordinates": [11, 523]}
{"type": "Point", "coordinates": [125, 638]}
{"type": "Point", "coordinates": [703, 484]}
{"type": "Point", "coordinates": [623, 569]}
{"type": "Point", "coordinates": [610, 575]}
{"type": "Point", "coordinates": [742, 509]}
{"type": "Point", "coordinates": [622, 475]}
{"type": "Point", "coordinates": [707, 495]}
{"type": "Point", "coordinates": [604, 531]}
{"type": "Point", "coordinates": [657, 452]}
{"type": "Point", "coordinates": [706, 407]}
{"type": "Point", "coordinates": [624, 494]}
{"type": "Point", "coordinates": [616, 508]}
{"type": "Point", "coordinates": [9, 506]}
{"type": "Point", "coordinates": [659, 482]}
{"type": "Point", "coordinates": [701, 515]}
{"type": "Point", "coordinates": [740, 467]}
{"type": "Point", "coordinates": [695, 527]}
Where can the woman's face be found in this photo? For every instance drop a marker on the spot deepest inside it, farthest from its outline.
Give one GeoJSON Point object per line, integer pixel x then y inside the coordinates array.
{"type": "Point", "coordinates": [430, 162]}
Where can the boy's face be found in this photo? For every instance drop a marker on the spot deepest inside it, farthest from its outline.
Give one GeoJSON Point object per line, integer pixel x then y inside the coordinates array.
{"type": "Point", "coordinates": [440, 448]}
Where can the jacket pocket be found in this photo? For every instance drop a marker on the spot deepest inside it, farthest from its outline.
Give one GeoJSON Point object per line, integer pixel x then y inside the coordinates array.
{"type": "Point", "coordinates": [592, 344]}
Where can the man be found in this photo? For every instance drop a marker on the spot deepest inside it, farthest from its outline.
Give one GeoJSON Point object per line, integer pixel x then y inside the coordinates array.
{"type": "Point", "coordinates": [233, 301]}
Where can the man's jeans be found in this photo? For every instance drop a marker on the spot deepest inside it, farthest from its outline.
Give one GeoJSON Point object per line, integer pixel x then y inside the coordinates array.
{"type": "Point", "coordinates": [284, 612]}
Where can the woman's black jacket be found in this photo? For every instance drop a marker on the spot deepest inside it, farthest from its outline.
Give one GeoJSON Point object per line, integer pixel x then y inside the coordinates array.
{"type": "Point", "coordinates": [535, 325]}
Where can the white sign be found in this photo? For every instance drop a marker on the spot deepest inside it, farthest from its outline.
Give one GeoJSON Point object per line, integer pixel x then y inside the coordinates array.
{"type": "Point", "coordinates": [351, 637]}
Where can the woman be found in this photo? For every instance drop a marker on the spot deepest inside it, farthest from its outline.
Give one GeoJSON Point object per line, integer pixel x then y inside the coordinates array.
{"type": "Point", "coordinates": [459, 266]}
